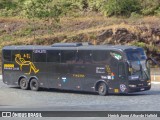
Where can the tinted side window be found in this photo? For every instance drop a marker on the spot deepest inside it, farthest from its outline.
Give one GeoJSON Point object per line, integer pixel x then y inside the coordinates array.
{"type": "Point", "coordinates": [53, 56]}
{"type": "Point", "coordinates": [84, 57]}
{"type": "Point", "coordinates": [100, 57]}
{"type": "Point", "coordinates": [14, 53]}
{"type": "Point", "coordinates": [39, 57]}
{"type": "Point", "coordinates": [68, 56]}
{"type": "Point", "coordinates": [7, 55]}
{"type": "Point", "coordinates": [26, 55]}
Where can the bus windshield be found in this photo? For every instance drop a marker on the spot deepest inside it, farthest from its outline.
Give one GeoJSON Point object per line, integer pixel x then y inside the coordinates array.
{"type": "Point", "coordinates": [137, 60]}
{"type": "Point", "coordinates": [136, 55]}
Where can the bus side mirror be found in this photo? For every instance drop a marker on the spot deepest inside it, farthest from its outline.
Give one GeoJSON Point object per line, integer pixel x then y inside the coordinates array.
{"type": "Point", "coordinates": [148, 62]}
{"type": "Point", "coordinates": [151, 61]}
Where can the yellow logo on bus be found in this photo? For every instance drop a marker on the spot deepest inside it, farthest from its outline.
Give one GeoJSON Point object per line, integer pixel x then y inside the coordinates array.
{"type": "Point", "coordinates": [22, 62]}
{"type": "Point", "coordinates": [79, 75]}
{"type": "Point", "coordinates": [8, 65]}
{"type": "Point", "coordinates": [108, 69]}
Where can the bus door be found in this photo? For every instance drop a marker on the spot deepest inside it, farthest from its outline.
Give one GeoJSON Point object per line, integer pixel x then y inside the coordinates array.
{"type": "Point", "coordinates": [122, 77]}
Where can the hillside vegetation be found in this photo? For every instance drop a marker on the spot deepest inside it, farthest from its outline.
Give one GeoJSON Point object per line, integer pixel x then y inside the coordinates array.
{"type": "Point", "coordinates": [55, 8]}
{"type": "Point", "coordinates": [44, 22]}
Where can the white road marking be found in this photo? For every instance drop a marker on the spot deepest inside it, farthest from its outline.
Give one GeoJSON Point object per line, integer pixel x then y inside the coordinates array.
{"type": "Point", "coordinates": [155, 82]}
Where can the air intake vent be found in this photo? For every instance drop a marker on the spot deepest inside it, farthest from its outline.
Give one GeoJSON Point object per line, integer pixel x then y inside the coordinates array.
{"type": "Point", "coordinates": [71, 44]}
{"type": "Point", "coordinates": [67, 44]}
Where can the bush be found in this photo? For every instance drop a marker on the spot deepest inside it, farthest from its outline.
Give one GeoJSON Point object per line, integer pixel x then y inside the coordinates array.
{"type": "Point", "coordinates": [140, 44]}
{"type": "Point", "coordinates": [149, 7]}
{"type": "Point", "coordinates": [42, 9]}
{"type": "Point", "coordinates": [95, 5]}
{"type": "Point", "coordinates": [149, 11]}
{"type": "Point", "coordinates": [7, 8]}
{"type": "Point", "coordinates": [7, 4]}
{"type": "Point", "coordinates": [135, 15]}
{"type": "Point", "coordinates": [71, 7]}
{"type": "Point", "coordinates": [157, 12]}
{"type": "Point", "coordinates": [121, 7]}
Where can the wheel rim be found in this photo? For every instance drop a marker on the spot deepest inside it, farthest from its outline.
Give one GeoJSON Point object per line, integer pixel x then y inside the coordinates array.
{"type": "Point", "coordinates": [34, 85]}
{"type": "Point", "coordinates": [101, 89]}
{"type": "Point", "coordinates": [23, 83]}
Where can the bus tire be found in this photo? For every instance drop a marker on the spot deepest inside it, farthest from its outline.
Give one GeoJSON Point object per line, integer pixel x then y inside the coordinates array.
{"type": "Point", "coordinates": [34, 85]}
{"type": "Point", "coordinates": [102, 89]}
{"type": "Point", "coordinates": [23, 83]}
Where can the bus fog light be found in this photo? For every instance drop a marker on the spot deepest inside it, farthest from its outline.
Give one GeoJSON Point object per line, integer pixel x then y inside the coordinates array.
{"type": "Point", "coordinates": [149, 83]}
{"type": "Point", "coordinates": [132, 85]}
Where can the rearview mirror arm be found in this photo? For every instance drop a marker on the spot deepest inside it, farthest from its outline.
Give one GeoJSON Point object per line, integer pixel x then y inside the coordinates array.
{"type": "Point", "coordinates": [152, 59]}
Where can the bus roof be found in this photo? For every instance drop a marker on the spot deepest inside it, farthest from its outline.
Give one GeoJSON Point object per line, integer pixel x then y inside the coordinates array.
{"type": "Point", "coordinates": [70, 47]}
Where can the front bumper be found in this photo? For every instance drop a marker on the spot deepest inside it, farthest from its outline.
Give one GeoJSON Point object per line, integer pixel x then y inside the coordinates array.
{"type": "Point", "coordinates": [138, 89]}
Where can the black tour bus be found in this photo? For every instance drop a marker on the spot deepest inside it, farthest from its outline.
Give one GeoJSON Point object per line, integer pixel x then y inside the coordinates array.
{"type": "Point", "coordinates": [77, 66]}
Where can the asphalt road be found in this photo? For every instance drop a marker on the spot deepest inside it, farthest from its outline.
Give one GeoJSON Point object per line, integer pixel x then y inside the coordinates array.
{"type": "Point", "coordinates": [16, 99]}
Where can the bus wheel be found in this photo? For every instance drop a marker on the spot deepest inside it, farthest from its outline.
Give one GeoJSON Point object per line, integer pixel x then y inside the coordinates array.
{"type": "Point", "coordinates": [24, 84]}
{"type": "Point", "coordinates": [102, 89]}
{"type": "Point", "coordinates": [34, 85]}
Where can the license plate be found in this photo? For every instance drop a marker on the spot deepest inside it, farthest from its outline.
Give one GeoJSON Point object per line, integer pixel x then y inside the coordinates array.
{"type": "Point", "coordinates": [142, 88]}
